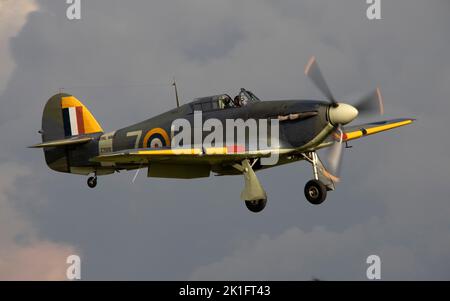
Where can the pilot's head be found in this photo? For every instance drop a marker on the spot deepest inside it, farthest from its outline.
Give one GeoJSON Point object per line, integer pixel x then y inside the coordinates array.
{"type": "Point", "coordinates": [237, 101]}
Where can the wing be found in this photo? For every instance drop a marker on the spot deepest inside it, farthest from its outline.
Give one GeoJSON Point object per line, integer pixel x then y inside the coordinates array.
{"type": "Point", "coordinates": [184, 155]}
{"type": "Point", "coordinates": [358, 131]}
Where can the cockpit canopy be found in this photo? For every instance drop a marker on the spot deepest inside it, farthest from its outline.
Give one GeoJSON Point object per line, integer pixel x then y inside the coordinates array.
{"type": "Point", "coordinates": [224, 101]}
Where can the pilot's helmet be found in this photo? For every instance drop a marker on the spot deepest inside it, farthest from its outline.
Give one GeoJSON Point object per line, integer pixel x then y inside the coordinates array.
{"type": "Point", "coordinates": [243, 99]}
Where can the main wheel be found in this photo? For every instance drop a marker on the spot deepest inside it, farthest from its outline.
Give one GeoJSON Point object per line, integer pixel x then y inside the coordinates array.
{"type": "Point", "coordinates": [256, 205]}
{"type": "Point", "coordinates": [92, 182]}
{"type": "Point", "coordinates": [315, 192]}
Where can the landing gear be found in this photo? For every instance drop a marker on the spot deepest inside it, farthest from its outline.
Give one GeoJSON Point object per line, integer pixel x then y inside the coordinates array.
{"type": "Point", "coordinates": [315, 189]}
{"type": "Point", "coordinates": [315, 192]}
{"type": "Point", "coordinates": [256, 206]}
{"type": "Point", "coordinates": [92, 181]}
{"type": "Point", "coordinates": [253, 194]}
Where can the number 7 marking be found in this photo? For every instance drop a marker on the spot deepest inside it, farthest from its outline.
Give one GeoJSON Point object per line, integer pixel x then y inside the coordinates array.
{"type": "Point", "coordinates": [138, 135]}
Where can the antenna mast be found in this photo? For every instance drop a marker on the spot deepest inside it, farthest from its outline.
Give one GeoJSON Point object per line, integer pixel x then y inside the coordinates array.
{"type": "Point", "coordinates": [176, 92]}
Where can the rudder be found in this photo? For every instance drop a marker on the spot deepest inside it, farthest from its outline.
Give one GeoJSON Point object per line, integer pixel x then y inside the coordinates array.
{"type": "Point", "coordinates": [65, 116]}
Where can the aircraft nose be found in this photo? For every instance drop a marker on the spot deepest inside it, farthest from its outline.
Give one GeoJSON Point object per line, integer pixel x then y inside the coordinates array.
{"type": "Point", "coordinates": [342, 114]}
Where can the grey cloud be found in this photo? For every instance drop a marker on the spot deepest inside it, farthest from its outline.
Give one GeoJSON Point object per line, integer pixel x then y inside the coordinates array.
{"type": "Point", "coordinates": [320, 253]}
{"type": "Point", "coordinates": [24, 254]}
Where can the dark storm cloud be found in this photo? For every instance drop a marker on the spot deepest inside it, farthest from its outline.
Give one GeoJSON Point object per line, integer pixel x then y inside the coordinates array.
{"type": "Point", "coordinates": [392, 200]}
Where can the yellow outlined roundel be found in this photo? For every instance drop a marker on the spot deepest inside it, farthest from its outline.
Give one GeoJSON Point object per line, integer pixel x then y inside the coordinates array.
{"type": "Point", "coordinates": [156, 134]}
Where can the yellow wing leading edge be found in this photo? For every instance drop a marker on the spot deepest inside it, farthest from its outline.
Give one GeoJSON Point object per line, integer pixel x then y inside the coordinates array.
{"type": "Point", "coordinates": [358, 131]}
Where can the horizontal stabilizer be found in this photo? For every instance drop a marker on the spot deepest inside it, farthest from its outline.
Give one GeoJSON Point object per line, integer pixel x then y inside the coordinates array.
{"type": "Point", "coordinates": [63, 142]}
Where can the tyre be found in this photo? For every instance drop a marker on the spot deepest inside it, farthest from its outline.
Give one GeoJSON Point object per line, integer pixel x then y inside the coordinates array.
{"type": "Point", "coordinates": [92, 182]}
{"type": "Point", "coordinates": [256, 206]}
{"type": "Point", "coordinates": [315, 192]}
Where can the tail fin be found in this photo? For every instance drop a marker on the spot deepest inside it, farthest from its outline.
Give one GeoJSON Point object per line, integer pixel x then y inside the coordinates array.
{"type": "Point", "coordinates": [64, 117]}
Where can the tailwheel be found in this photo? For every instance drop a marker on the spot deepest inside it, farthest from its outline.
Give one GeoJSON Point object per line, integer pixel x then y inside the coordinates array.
{"type": "Point", "coordinates": [315, 192]}
{"type": "Point", "coordinates": [92, 182]}
{"type": "Point", "coordinates": [256, 205]}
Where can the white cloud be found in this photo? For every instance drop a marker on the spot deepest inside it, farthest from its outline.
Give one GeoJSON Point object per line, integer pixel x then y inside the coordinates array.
{"type": "Point", "coordinates": [24, 255]}
{"type": "Point", "coordinates": [13, 14]}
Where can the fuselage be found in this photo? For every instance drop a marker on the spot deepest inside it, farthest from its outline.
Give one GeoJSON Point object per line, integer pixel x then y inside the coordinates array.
{"type": "Point", "coordinates": [294, 132]}
{"type": "Point", "coordinates": [302, 123]}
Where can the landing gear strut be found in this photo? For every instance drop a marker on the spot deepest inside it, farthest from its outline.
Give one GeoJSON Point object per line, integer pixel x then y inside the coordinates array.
{"type": "Point", "coordinates": [253, 194]}
{"type": "Point", "coordinates": [92, 181]}
{"type": "Point", "coordinates": [315, 190]}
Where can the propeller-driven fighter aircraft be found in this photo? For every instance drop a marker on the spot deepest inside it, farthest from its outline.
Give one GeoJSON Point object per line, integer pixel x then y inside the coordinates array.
{"type": "Point", "coordinates": [74, 142]}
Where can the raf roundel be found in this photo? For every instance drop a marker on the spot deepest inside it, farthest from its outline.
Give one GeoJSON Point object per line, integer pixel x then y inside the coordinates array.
{"type": "Point", "coordinates": [156, 138]}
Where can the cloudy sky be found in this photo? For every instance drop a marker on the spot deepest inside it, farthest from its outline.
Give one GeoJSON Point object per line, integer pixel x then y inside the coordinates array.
{"type": "Point", "coordinates": [119, 60]}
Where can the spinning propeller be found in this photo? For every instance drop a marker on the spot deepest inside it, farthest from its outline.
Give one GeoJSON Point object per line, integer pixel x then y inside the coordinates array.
{"type": "Point", "coordinates": [340, 114]}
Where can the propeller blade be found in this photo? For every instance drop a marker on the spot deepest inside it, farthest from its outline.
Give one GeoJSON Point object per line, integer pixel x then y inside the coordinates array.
{"type": "Point", "coordinates": [312, 70]}
{"type": "Point", "coordinates": [371, 104]}
{"type": "Point", "coordinates": [335, 155]}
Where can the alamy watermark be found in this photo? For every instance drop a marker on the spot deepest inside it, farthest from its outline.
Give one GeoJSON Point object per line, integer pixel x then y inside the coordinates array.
{"type": "Point", "coordinates": [73, 271]}
{"type": "Point", "coordinates": [73, 11]}
{"type": "Point", "coordinates": [373, 271]}
{"type": "Point", "coordinates": [249, 136]}
{"type": "Point", "coordinates": [373, 12]}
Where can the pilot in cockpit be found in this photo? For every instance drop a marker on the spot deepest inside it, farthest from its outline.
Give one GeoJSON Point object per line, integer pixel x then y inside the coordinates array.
{"type": "Point", "coordinates": [225, 102]}
{"type": "Point", "coordinates": [243, 99]}
{"type": "Point", "coordinates": [240, 100]}
{"type": "Point", "coordinates": [237, 101]}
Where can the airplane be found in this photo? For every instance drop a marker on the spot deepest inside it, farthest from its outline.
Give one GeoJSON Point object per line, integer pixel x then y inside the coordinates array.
{"type": "Point", "coordinates": [74, 142]}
